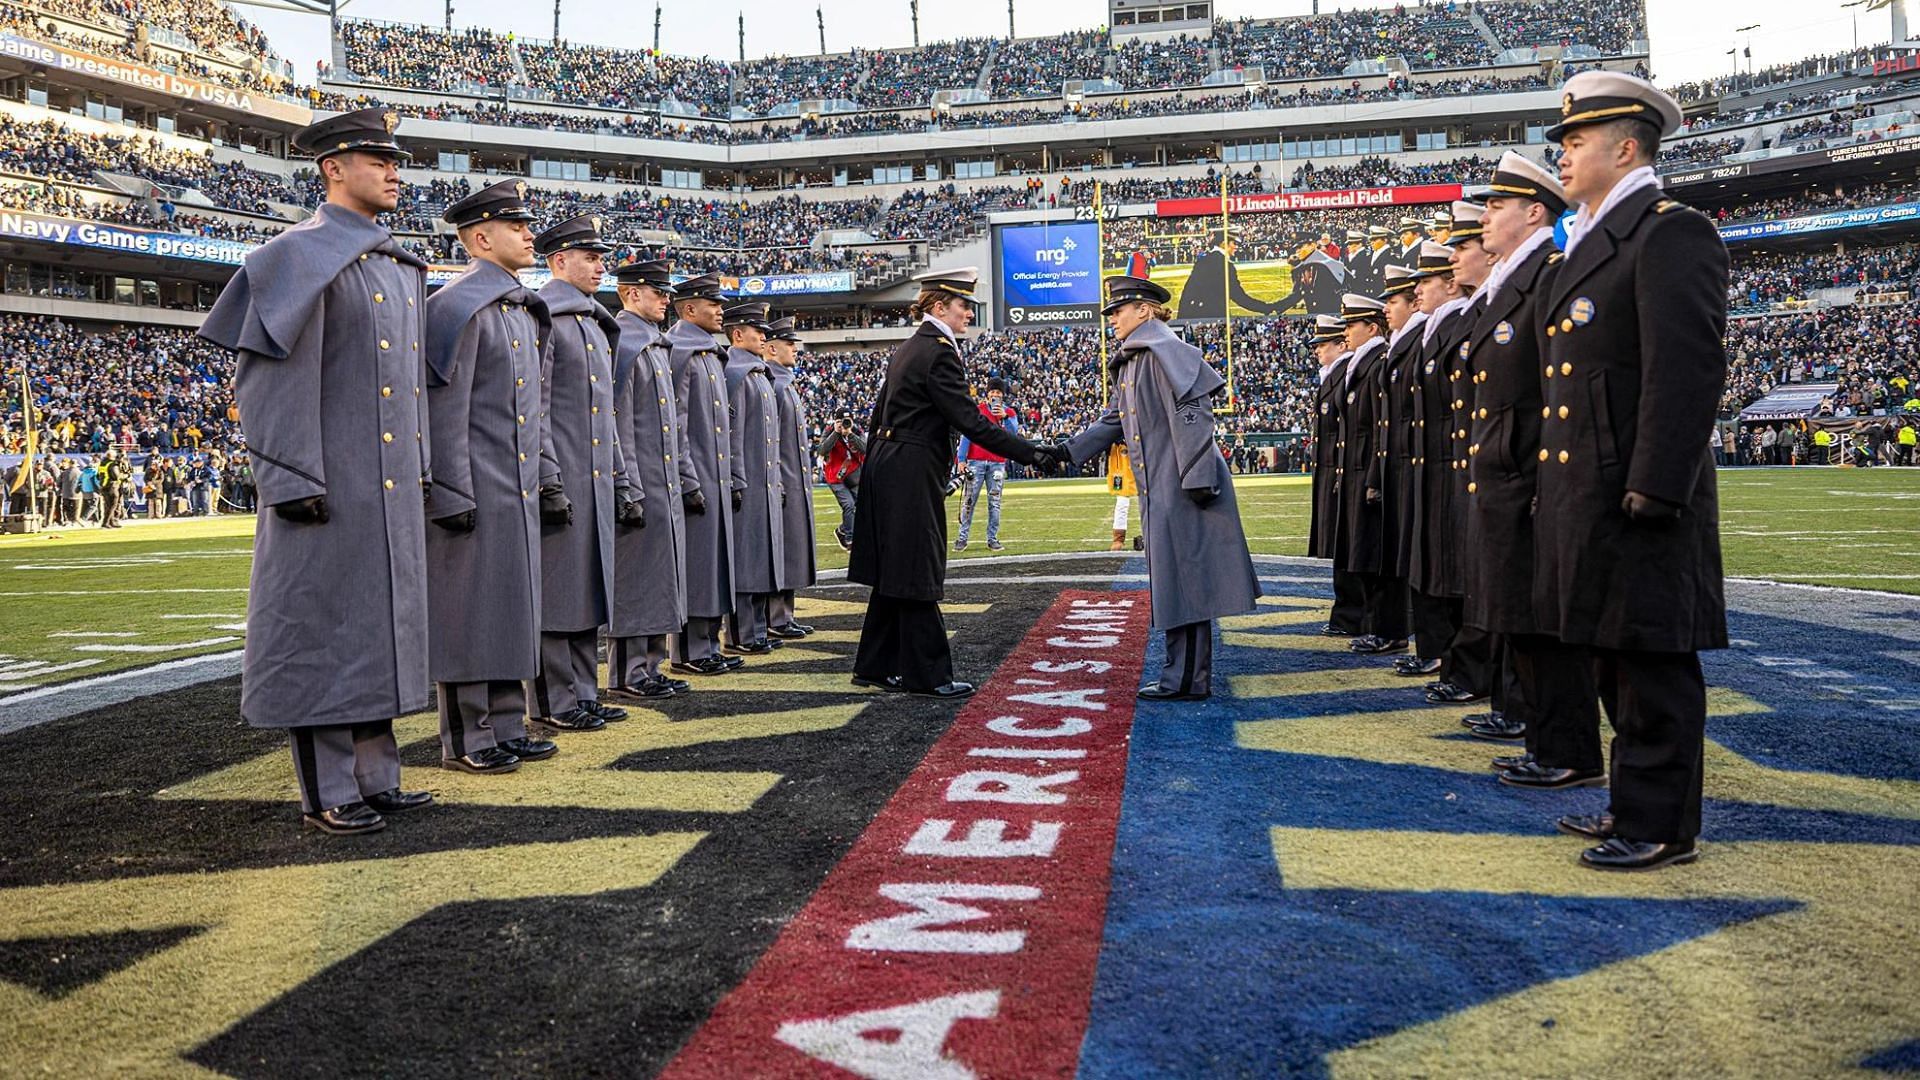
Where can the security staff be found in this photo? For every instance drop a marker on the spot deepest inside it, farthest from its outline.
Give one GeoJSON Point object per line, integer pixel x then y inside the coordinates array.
{"type": "Point", "coordinates": [1198, 566]}
{"type": "Point", "coordinates": [1628, 538]}
{"type": "Point", "coordinates": [326, 319]}
{"type": "Point", "coordinates": [900, 527]}
{"type": "Point", "coordinates": [796, 474]}
{"type": "Point", "coordinates": [1363, 479]}
{"type": "Point", "coordinates": [753, 408]}
{"type": "Point", "coordinates": [497, 484]}
{"type": "Point", "coordinates": [1551, 685]}
{"type": "Point", "coordinates": [1330, 350]}
{"type": "Point", "coordinates": [576, 579]}
{"type": "Point", "coordinates": [700, 394]}
{"type": "Point", "coordinates": [650, 542]}
{"type": "Point", "coordinates": [1434, 613]}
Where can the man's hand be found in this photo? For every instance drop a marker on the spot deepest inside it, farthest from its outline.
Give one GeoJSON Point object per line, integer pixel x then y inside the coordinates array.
{"type": "Point", "coordinates": [311, 510]}
{"type": "Point", "coordinates": [1202, 496]}
{"type": "Point", "coordinates": [695, 503]}
{"type": "Point", "coordinates": [1373, 495]}
{"type": "Point", "coordinates": [456, 523]}
{"type": "Point", "coordinates": [555, 510]}
{"type": "Point", "coordinates": [1641, 507]}
{"type": "Point", "coordinates": [739, 500]}
{"type": "Point", "coordinates": [630, 514]}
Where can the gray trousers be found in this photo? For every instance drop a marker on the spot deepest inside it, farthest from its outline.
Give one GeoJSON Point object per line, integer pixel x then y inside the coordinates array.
{"type": "Point", "coordinates": [337, 764]}
{"type": "Point", "coordinates": [569, 672]}
{"type": "Point", "coordinates": [477, 715]}
{"type": "Point", "coordinates": [843, 495]}
{"type": "Point", "coordinates": [634, 660]}
{"type": "Point", "coordinates": [748, 623]}
{"type": "Point", "coordinates": [780, 608]}
{"type": "Point", "coordinates": [699, 640]}
{"type": "Point", "coordinates": [1189, 666]}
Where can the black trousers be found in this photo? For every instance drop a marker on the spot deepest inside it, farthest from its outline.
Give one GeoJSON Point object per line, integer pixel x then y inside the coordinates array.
{"type": "Point", "coordinates": [1436, 620]}
{"type": "Point", "coordinates": [1349, 603]}
{"type": "Point", "coordinates": [1472, 661]}
{"type": "Point", "coordinates": [1657, 703]}
{"type": "Point", "coordinates": [904, 638]}
{"type": "Point", "coordinates": [1555, 680]}
{"type": "Point", "coordinates": [1386, 600]}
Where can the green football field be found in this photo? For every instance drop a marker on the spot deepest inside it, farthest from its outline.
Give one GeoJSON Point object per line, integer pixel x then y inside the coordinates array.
{"type": "Point", "coordinates": [83, 602]}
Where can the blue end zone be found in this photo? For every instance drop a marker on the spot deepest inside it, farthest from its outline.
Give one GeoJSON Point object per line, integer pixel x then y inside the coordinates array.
{"type": "Point", "coordinates": [1211, 966]}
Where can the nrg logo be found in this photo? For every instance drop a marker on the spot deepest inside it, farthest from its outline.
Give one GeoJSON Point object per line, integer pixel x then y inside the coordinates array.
{"type": "Point", "coordinates": [1057, 256]}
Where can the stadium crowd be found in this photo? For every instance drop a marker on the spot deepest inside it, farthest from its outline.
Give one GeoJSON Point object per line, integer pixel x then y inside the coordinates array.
{"type": "Point", "coordinates": [1762, 279]}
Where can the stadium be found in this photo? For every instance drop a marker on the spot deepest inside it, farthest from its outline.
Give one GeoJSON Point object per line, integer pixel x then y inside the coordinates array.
{"type": "Point", "coordinates": [1310, 872]}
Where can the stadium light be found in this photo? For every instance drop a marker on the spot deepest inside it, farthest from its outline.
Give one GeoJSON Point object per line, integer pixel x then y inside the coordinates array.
{"type": "Point", "coordinates": [913, 7]}
{"type": "Point", "coordinates": [1856, 5]}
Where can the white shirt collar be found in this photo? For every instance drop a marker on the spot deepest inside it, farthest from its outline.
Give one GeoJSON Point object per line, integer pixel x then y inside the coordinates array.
{"type": "Point", "coordinates": [1406, 328]}
{"type": "Point", "coordinates": [1589, 216]}
{"type": "Point", "coordinates": [943, 328]}
{"type": "Point", "coordinates": [1440, 314]}
{"type": "Point", "coordinates": [1354, 360]}
{"type": "Point", "coordinates": [1503, 269]}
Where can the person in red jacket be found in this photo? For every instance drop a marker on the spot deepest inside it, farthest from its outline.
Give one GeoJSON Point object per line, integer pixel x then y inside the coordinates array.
{"type": "Point", "coordinates": [986, 469]}
{"type": "Point", "coordinates": [843, 450]}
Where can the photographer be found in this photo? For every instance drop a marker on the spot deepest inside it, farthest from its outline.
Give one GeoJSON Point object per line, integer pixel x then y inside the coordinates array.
{"type": "Point", "coordinates": [842, 451]}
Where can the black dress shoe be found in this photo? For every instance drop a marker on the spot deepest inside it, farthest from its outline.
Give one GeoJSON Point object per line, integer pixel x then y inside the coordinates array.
{"type": "Point", "coordinates": [574, 719]}
{"type": "Point", "coordinates": [1535, 775]}
{"type": "Point", "coordinates": [680, 686]}
{"type": "Point", "coordinates": [1511, 761]}
{"type": "Point", "coordinates": [1505, 731]}
{"type": "Point", "coordinates": [952, 691]}
{"type": "Point", "coordinates": [346, 819]}
{"type": "Point", "coordinates": [491, 760]}
{"type": "Point", "coordinates": [749, 648]}
{"type": "Point", "coordinates": [891, 683]}
{"type": "Point", "coordinates": [1374, 646]}
{"type": "Point", "coordinates": [733, 663]}
{"type": "Point", "coordinates": [1454, 695]}
{"type": "Point", "coordinates": [1620, 853]}
{"type": "Point", "coordinates": [706, 665]}
{"type": "Point", "coordinates": [395, 801]}
{"type": "Point", "coordinates": [649, 688]}
{"type": "Point", "coordinates": [1156, 692]}
{"type": "Point", "coordinates": [607, 713]}
{"type": "Point", "coordinates": [804, 628]}
{"type": "Point", "coordinates": [1592, 826]}
{"type": "Point", "coordinates": [1331, 630]}
{"type": "Point", "coordinates": [788, 632]}
{"type": "Point", "coordinates": [527, 748]}
{"type": "Point", "coordinates": [1413, 666]}
{"type": "Point", "coordinates": [1481, 719]}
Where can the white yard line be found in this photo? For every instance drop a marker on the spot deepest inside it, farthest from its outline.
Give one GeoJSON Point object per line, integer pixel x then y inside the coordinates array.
{"type": "Point", "coordinates": [53, 702]}
{"type": "Point", "coordinates": [222, 640]}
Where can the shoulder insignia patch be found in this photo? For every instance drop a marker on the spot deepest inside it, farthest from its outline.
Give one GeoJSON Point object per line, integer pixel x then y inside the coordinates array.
{"type": "Point", "coordinates": [1556, 257]}
{"type": "Point", "coordinates": [1665, 205]}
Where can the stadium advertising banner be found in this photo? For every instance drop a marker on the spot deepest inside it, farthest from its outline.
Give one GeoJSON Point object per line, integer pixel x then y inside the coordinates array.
{"type": "Point", "coordinates": [1812, 223]}
{"type": "Point", "coordinates": [1048, 274]}
{"type": "Point", "coordinates": [99, 236]}
{"type": "Point", "coordinates": [192, 91]}
{"type": "Point", "coordinates": [1283, 201]}
{"type": "Point", "coordinates": [829, 281]}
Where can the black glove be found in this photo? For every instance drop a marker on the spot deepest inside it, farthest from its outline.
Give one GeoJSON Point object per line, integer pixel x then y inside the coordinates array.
{"type": "Point", "coordinates": [555, 510]}
{"type": "Point", "coordinates": [311, 510]}
{"type": "Point", "coordinates": [783, 500]}
{"type": "Point", "coordinates": [630, 514]}
{"type": "Point", "coordinates": [1202, 496]}
{"type": "Point", "coordinates": [739, 500]}
{"type": "Point", "coordinates": [456, 523]}
{"type": "Point", "coordinates": [695, 503]}
{"type": "Point", "coordinates": [426, 490]}
{"type": "Point", "coordinates": [1641, 507]}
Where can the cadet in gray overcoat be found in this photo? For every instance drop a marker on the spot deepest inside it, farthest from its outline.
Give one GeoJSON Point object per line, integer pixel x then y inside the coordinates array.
{"type": "Point", "coordinates": [700, 392]}
{"type": "Point", "coordinates": [576, 561]}
{"type": "Point", "coordinates": [327, 321]}
{"type": "Point", "coordinates": [1198, 566]}
{"type": "Point", "coordinates": [796, 473]}
{"type": "Point", "coordinates": [650, 542]}
{"type": "Point", "coordinates": [754, 414]}
{"type": "Point", "coordinates": [498, 483]}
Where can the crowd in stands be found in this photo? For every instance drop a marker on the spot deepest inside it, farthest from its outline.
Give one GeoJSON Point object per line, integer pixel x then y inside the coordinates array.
{"type": "Point", "coordinates": [1816, 200]}
{"type": "Point", "coordinates": [1386, 172]}
{"type": "Point", "coordinates": [1610, 26]}
{"type": "Point", "coordinates": [623, 78]}
{"type": "Point", "coordinates": [407, 55]}
{"type": "Point", "coordinates": [1794, 105]}
{"type": "Point", "coordinates": [1700, 151]}
{"type": "Point", "coordinates": [50, 149]}
{"type": "Point", "coordinates": [904, 78]}
{"type": "Point", "coordinates": [1035, 67]}
{"type": "Point", "coordinates": [1761, 279]}
{"type": "Point", "coordinates": [1428, 35]}
{"type": "Point", "coordinates": [1868, 350]}
{"type": "Point", "coordinates": [1811, 67]}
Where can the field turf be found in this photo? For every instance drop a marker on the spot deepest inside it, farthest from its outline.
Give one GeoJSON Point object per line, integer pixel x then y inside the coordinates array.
{"type": "Point", "coordinates": [147, 593]}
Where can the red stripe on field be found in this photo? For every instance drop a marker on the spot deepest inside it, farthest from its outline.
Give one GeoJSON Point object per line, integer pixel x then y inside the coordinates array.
{"type": "Point", "coordinates": [978, 957]}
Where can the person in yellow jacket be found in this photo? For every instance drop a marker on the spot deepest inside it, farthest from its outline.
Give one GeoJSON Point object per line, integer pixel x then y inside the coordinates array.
{"type": "Point", "coordinates": [1120, 481]}
{"type": "Point", "coordinates": [1823, 446]}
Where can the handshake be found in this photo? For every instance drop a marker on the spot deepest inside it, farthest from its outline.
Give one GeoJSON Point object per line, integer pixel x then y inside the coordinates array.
{"type": "Point", "coordinates": [1050, 458]}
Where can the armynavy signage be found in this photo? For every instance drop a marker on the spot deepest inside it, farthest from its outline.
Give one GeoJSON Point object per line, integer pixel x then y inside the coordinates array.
{"type": "Point", "coordinates": [1812, 223]}
{"type": "Point", "coordinates": [194, 91]}
{"type": "Point", "coordinates": [100, 236]}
